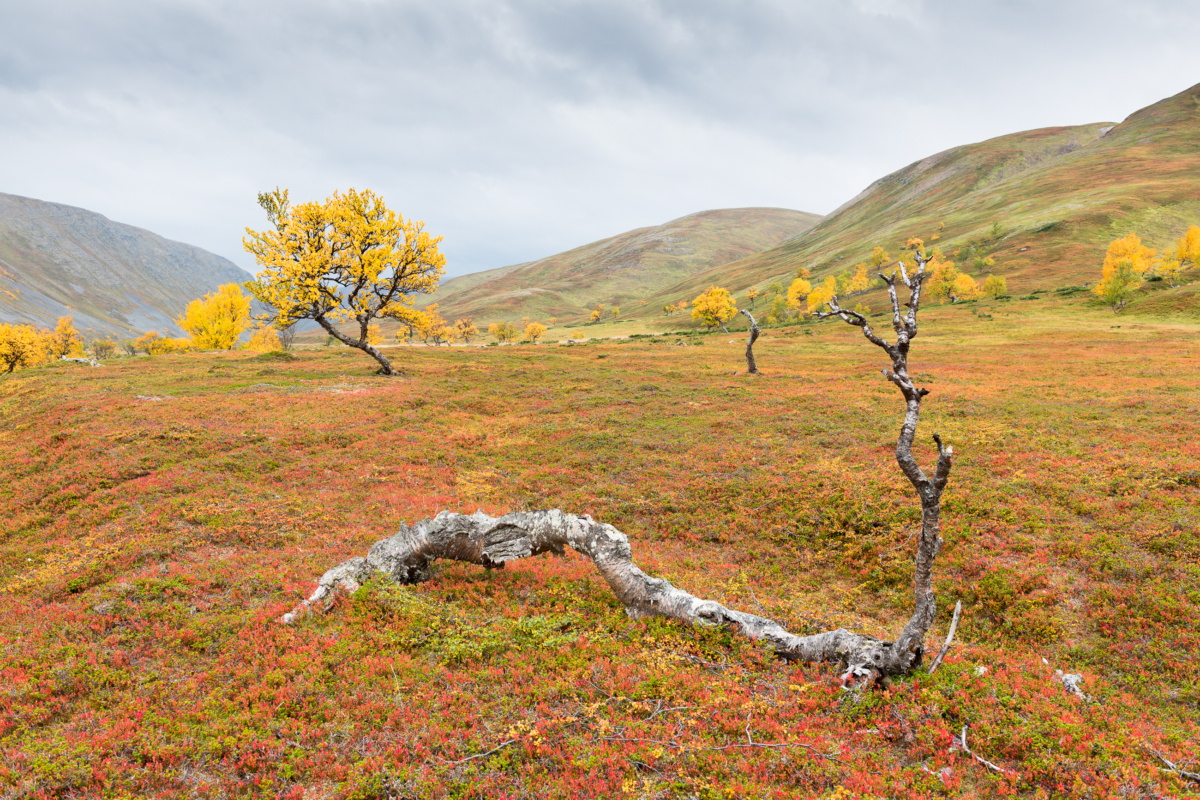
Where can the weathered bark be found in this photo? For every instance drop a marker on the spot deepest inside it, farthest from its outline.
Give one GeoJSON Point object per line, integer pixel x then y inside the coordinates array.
{"type": "Point", "coordinates": [361, 343]}
{"type": "Point", "coordinates": [912, 638]}
{"type": "Point", "coordinates": [491, 542]}
{"type": "Point", "coordinates": [751, 366]}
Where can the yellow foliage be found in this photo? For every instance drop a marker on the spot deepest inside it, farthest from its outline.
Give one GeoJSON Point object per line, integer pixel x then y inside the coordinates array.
{"type": "Point", "coordinates": [1188, 247]}
{"type": "Point", "coordinates": [264, 339]}
{"type": "Point", "coordinates": [965, 288]}
{"type": "Point", "coordinates": [146, 342]}
{"type": "Point", "coordinates": [102, 348]}
{"type": "Point", "coordinates": [596, 315]}
{"type": "Point", "coordinates": [1125, 263]}
{"type": "Point", "coordinates": [348, 258]}
{"type": "Point", "coordinates": [374, 335]}
{"type": "Point", "coordinates": [1141, 259]}
{"type": "Point", "coordinates": [64, 340]}
{"type": "Point", "coordinates": [861, 281]}
{"type": "Point", "coordinates": [534, 330]}
{"type": "Point", "coordinates": [465, 329]}
{"type": "Point", "coordinates": [1169, 270]}
{"type": "Point", "coordinates": [940, 284]}
{"type": "Point", "coordinates": [217, 320]}
{"type": "Point", "coordinates": [914, 243]}
{"type": "Point", "coordinates": [778, 309]}
{"type": "Point", "coordinates": [616, 311]}
{"type": "Point", "coordinates": [822, 294]}
{"type": "Point", "coordinates": [879, 257]}
{"type": "Point", "coordinates": [164, 346]}
{"type": "Point", "coordinates": [797, 292]}
{"type": "Point", "coordinates": [22, 346]}
{"type": "Point", "coordinates": [753, 294]}
{"type": "Point", "coordinates": [713, 307]}
{"type": "Point", "coordinates": [995, 285]}
{"type": "Point", "coordinates": [503, 331]}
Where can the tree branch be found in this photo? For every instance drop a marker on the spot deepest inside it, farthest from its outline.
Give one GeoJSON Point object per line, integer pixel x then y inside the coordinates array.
{"type": "Point", "coordinates": [1174, 768]}
{"type": "Point", "coordinates": [491, 542]}
{"type": "Point", "coordinates": [912, 638]}
{"type": "Point", "coordinates": [949, 639]}
{"type": "Point", "coordinates": [981, 759]}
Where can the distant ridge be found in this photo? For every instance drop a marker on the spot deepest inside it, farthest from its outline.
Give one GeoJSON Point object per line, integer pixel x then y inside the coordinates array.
{"type": "Point", "coordinates": [620, 269]}
{"type": "Point", "coordinates": [115, 279]}
{"type": "Point", "coordinates": [1059, 195]}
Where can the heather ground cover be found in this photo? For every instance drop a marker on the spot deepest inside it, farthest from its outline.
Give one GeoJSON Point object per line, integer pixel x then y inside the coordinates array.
{"type": "Point", "coordinates": [159, 514]}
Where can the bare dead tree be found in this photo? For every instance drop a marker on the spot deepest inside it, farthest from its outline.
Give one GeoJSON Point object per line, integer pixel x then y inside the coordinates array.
{"type": "Point", "coordinates": [910, 645]}
{"type": "Point", "coordinates": [287, 336]}
{"type": "Point", "coordinates": [751, 366]}
{"type": "Point", "coordinates": [491, 542]}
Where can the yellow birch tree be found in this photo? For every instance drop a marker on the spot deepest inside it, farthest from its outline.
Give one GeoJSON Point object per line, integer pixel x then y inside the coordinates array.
{"type": "Point", "coordinates": [217, 320]}
{"type": "Point", "coordinates": [714, 307]}
{"type": "Point", "coordinates": [348, 259]}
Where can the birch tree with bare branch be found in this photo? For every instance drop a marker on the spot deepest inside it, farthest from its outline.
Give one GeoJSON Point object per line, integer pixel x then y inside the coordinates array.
{"type": "Point", "coordinates": [751, 364]}
{"type": "Point", "coordinates": [490, 542]}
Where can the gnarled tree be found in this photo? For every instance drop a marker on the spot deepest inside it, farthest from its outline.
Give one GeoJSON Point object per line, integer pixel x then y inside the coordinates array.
{"type": "Point", "coordinates": [492, 542]}
{"type": "Point", "coordinates": [350, 259]}
{"type": "Point", "coordinates": [751, 365]}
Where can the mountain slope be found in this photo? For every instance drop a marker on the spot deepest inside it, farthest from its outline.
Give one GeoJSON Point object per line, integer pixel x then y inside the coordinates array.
{"type": "Point", "coordinates": [1059, 194]}
{"type": "Point", "coordinates": [619, 269]}
{"type": "Point", "coordinates": [115, 279]}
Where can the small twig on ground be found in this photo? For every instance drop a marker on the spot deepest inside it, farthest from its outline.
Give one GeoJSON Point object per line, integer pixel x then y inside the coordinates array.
{"type": "Point", "coordinates": [981, 759]}
{"type": "Point", "coordinates": [1175, 769]}
{"type": "Point", "coordinates": [937, 662]}
{"type": "Point", "coordinates": [494, 750]}
{"type": "Point", "coordinates": [754, 597]}
{"type": "Point", "coordinates": [732, 746]}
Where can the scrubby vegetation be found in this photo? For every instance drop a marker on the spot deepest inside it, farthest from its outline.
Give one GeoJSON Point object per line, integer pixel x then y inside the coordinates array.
{"type": "Point", "coordinates": [159, 515]}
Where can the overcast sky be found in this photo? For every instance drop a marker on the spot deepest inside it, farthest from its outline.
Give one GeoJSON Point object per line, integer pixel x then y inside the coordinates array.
{"type": "Point", "coordinates": [517, 129]}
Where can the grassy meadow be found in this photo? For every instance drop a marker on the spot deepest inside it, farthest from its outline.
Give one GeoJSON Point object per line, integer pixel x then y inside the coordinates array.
{"type": "Point", "coordinates": [158, 515]}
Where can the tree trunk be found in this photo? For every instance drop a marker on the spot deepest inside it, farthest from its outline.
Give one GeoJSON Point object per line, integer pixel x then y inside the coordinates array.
{"type": "Point", "coordinates": [385, 366]}
{"type": "Point", "coordinates": [929, 492]}
{"type": "Point", "coordinates": [491, 542]}
{"type": "Point", "coordinates": [751, 366]}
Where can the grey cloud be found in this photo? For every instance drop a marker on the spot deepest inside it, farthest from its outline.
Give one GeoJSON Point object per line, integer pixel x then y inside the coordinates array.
{"type": "Point", "coordinates": [524, 127]}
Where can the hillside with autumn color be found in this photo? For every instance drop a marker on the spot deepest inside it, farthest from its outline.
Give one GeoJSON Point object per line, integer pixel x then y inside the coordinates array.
{"type": "Point", "coordinates": [1057, 195]}
{"type": "Point", "coordinates": [620, 270]}
{"type": "Point", "coordinates": [1042, 205]}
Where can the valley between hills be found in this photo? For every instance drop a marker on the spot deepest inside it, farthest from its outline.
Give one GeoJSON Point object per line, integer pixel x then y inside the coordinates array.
{"type": "Point", "coordinates": [160, 514]}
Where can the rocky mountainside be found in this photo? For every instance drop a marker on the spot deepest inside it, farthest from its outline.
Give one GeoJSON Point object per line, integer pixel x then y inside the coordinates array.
{"type": "Point", "coordinates": [115, 279]}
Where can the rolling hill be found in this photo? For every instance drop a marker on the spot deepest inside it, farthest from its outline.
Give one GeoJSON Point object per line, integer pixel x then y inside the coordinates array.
{"type": "Point", "coordinates": [1059, 195]}
{"type": "Point", "coordinates": [115, 279]}
{"type": "Point", "coordinates": [621, 269]}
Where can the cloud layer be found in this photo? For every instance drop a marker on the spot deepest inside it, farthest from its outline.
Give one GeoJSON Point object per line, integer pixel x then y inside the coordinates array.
{"type": "Point", "coordinates": [520, 128]}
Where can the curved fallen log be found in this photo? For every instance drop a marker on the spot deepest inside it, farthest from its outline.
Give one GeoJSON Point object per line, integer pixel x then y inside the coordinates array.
{"type": "Point", "coordinates": [491, 542]}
